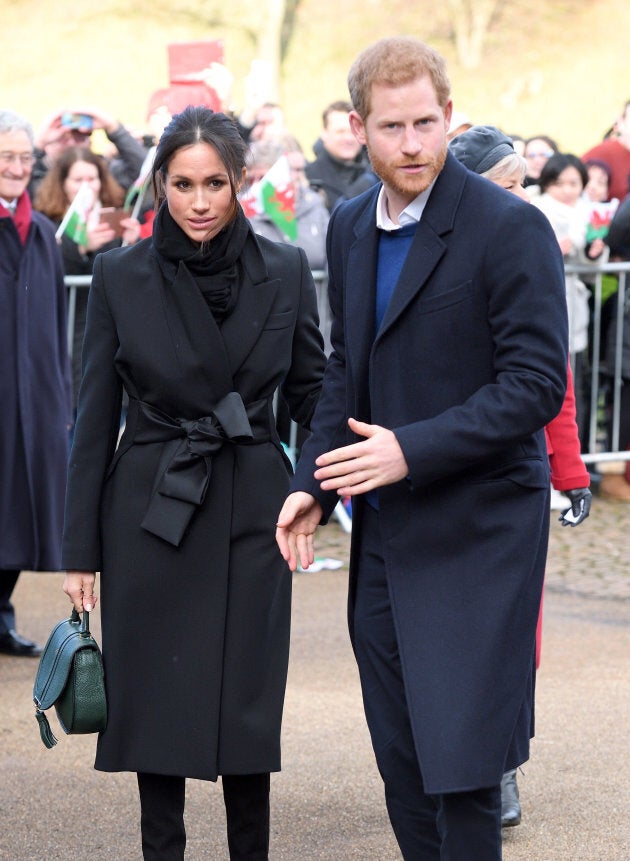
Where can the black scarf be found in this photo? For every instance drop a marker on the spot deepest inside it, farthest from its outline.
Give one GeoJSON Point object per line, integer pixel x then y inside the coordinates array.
{"type": "Point", "coordinates": [214, 265]}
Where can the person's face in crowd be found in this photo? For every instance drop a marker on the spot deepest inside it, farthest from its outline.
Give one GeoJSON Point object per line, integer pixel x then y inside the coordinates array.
{"type": "Point", "coordinates": [297, 164]}
{"type": "Point", "coordinates": [405, 134]}
{"type": "Point", "coordinates": [568, 187]}
{"type": "Point", "coordinates": [255, 173]}
{"type": "Point", "coordinates": [597, 186]}
{"type": "Point", "coordinates": [337, 137]}
{"type": "Point", "coordinates": [62, 139]}
{"type": "Point", "coordinates": [82, 173]}
{"type": "Point", "coordinates": [16, 163]}
{"type": "Point", "coordinates": [537, 153]}
{"type": "Point", "coordinates": [269, 123]}
{"type": "Point", "coordinates": [198, 192]}
{"type": "Point", "coordinates": [514, 184]}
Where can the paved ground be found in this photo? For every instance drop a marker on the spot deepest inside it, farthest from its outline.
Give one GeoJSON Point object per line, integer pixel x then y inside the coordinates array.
{"type": "Point", "coordinates": [327, 802]}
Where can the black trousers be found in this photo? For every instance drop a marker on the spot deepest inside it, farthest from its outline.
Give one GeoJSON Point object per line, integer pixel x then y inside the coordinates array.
{"type": "Point", "coordinates": [162, 799]}
{"type": "Point", "coordinates": [459, 826]}
{"type": "Point", "coordinates": [8, 579]}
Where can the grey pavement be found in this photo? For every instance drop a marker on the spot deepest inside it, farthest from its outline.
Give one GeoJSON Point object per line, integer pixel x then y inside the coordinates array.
{"type": "Point", "coordinates": [327, 803]}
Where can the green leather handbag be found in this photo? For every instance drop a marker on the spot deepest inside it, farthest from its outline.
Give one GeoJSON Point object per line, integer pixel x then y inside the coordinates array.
{"type": "Point", "coordinates": [70, 677]}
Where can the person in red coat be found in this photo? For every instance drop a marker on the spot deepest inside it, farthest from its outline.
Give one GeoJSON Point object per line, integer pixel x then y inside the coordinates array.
{"type": "Point", "coordinates": [614, 151]}
{"type": "Point", "coordinates": [490, 153]}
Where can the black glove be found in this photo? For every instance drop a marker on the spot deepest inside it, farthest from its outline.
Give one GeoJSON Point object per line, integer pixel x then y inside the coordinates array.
{"type": "Point", "coordinates": [580, 506]}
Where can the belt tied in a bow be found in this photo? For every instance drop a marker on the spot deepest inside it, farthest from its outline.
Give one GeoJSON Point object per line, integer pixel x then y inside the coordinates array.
{"type": "Point", "coordinates": [182, 487]}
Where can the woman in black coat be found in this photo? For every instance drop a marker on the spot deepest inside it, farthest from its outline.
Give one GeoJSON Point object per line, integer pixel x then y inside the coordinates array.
{"type": "Point", "coordinates": [200, 325]}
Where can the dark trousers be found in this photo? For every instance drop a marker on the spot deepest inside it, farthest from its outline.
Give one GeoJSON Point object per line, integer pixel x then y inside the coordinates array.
{"type": "Point", "coordinates": [458, 826]}
{"type": "Point", "coordinates": [246, 799]}
{"type": "Point", "coordinates": [8, 579]}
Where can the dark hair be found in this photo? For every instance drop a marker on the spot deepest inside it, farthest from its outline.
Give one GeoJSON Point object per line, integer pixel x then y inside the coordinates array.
{"type": "Point", "coordinates": [549, 141]}
{"type": "Point", "coordinates": [200, 125]}
{"type": "Point", "coordinates": [51, 199]}
{"type": "Point", "coordinates": [340, 106]}
{"type": "Point", "coordinates": [556, 164]}
{"type": "Point", "coordinates": [597, 162]}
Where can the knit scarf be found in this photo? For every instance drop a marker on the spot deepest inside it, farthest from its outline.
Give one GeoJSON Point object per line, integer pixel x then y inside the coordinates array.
{"type": "Point", "coordinates": [214, 265]}
{"type": "Point", "coordinates": [22, 217]}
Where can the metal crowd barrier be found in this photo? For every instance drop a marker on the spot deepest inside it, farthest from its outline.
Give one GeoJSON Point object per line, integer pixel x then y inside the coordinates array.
{"type": "Point", "coordinates": [602, 445]}
{"type": "Point", "coordinates": [599, 450]}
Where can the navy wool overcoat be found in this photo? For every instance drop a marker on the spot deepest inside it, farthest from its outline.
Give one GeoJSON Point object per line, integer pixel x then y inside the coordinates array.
{"type": "Point", "coordinates": [35, 397]}
{"type": "Point", "coordinates": [468, 366]}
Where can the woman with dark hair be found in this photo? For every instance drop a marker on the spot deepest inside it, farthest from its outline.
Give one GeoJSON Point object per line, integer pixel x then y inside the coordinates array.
{"type": "Point", "coordinates": [200, 324]}
{"type": "Point", "coordinates": [537, 152]}
{"type": "Point", "coordinates": [562, 183]}
{"type": "Point", "coordinates": [76, 168]}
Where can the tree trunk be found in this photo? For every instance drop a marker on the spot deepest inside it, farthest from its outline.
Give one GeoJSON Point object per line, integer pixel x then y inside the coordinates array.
{"type": "Point", "coordinates": [470, 20]}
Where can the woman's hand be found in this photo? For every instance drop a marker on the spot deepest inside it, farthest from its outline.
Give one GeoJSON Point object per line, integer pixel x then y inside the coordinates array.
{"type": "Point", "coordinates": [79, 585]}
{"type": "Point", "coordinates": [297, 523]}
{"type": "Point", "coordinates": [566, 245]}
{"type": "Point", "coordinates": [131, 230]}
{"type": "Point", "coordinates": [98, 235]}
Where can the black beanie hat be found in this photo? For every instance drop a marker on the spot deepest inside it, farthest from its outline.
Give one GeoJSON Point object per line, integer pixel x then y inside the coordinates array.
{"type": "Point", "coordinates": [481, 147]}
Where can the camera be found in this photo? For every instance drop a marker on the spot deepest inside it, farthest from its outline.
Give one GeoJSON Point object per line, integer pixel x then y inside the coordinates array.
{"type": "Point", "coordinates": [84, 122]}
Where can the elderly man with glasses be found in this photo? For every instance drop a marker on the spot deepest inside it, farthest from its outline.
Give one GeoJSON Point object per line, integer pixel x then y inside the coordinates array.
{"type": "Point", "coordinates": [34, 382]}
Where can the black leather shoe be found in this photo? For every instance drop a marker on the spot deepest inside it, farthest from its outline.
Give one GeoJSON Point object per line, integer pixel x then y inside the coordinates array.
{"type": "Point", "coordinates": [12, 644]}
{"type": "Point", "coordinates": [510, 805]}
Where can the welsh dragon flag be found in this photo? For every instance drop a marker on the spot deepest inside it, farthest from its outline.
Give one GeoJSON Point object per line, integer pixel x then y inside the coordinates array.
{"type": "Point", "coordinates": [74, 223]}
{"type": "Point", "coordinates": [140, 185]}
{"type": "Point", "coordinates": [273, 196]}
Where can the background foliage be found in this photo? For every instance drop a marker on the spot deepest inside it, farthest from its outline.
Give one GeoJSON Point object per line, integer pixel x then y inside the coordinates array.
{"type": "Point", "coordinates": [546, 66]}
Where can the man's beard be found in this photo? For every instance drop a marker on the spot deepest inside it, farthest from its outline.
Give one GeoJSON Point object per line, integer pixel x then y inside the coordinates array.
{"type": "Point", "coordinates": [408, 185]}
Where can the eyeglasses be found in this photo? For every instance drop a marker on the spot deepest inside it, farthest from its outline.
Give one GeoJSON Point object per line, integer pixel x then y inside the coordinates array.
{"type": "Point", "coordinates": [541, 153]}
{"type": "Point", "coordinates": [26, 159]}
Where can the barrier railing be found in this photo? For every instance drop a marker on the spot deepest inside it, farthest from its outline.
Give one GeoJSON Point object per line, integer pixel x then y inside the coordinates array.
{"type": "Point", "coordinates": [603, 430]}
{"type": "Point", "coordinates": [605, 406]}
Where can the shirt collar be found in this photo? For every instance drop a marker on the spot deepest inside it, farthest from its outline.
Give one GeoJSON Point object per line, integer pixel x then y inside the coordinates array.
{"type": "Point", "coordinates": [410, 214]}
{"type": "Point", "coordinates": [11, 207]}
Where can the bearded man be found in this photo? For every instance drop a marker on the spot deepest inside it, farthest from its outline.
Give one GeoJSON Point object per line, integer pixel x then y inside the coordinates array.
{"type": "Point", "coordinates": [449, 336]}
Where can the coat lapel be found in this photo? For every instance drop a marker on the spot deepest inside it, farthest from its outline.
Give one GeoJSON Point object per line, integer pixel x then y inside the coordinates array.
{"type": "Point", "coordinates": [195, 332]}
{"type": "Point", "coordinates": [257, 292]}
{"type": "Point", "coordinates": [223, 350]}
{"type": "Point", "coordinates": [428, 246]}
{"type": "Point", "coordinates": [360, 294]}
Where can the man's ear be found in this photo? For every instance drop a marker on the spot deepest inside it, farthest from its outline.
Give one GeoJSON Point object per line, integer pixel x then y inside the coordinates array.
{"type": "Point", "coordinates": [448, 113]}
{"type": "Point", "coordinates": [357, 126]}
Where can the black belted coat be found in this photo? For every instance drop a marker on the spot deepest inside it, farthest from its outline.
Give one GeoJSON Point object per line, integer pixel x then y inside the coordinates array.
{"type": "Point", "coordinates": [180, 518]}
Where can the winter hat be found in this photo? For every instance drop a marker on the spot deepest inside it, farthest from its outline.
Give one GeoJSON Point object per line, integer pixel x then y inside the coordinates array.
{"type": "Point", "coordinates": [481, 147]}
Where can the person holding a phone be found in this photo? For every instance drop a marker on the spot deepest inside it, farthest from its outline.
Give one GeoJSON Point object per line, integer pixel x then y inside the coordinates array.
{"type": "Point", "coordinates": [108, 225]}
{"type": "Point", "coordinates": [73, 127]}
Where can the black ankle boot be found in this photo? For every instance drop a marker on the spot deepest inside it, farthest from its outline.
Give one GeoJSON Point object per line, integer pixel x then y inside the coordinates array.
{"type": "Point", "coordinates": [510, 804]}
{"type": "Point", "coordinates": [246, 799]}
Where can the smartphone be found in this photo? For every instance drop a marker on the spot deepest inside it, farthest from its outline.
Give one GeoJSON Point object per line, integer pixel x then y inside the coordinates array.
{"type": "Point", "coordinates": [77, 121]}
{"type": "Point", "coordinates": [113, 216]}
